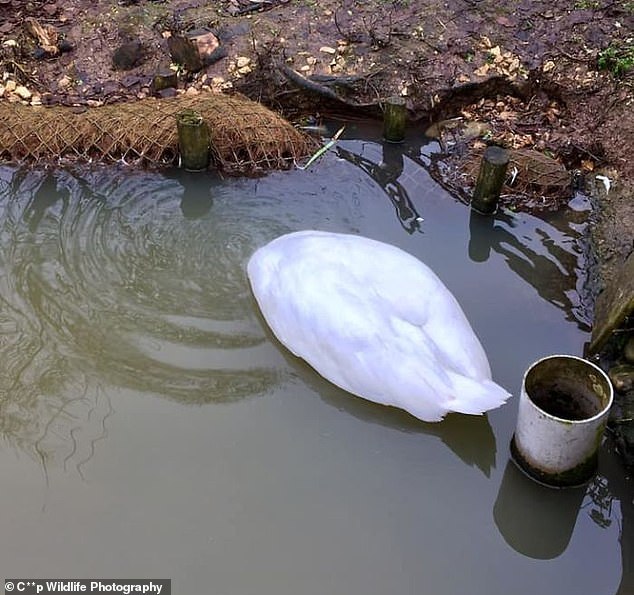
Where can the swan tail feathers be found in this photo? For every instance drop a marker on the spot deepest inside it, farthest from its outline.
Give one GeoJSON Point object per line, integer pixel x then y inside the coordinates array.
{"type": "Point", "coordinates": [475, 397]}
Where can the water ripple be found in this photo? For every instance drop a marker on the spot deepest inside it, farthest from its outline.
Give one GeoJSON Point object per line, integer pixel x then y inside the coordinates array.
{"type": "Point", "coordinates": [104, 280]}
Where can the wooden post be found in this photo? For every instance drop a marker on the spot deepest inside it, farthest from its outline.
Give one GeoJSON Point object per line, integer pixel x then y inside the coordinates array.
{"type": "Point", "coordinates": [193, 140]}
{"type": "Point", "coordinates": [490, 180]}
{"type": "Point", "coordinates": [394, 120]}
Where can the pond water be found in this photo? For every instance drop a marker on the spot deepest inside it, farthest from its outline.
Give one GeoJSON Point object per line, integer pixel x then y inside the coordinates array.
{"type": "Point", "coordinates": [152, 427]}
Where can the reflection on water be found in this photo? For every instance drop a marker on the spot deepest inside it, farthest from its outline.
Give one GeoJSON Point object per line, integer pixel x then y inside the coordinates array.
{"type": "Point", "coordinates": [126, 283]}
{"type": "Point", "coordinates": [101, 277]}
{"type": "Point", "coordinates": [545, 257]}
{"type": "Point", "coordinates": [387, 172]}
{"type": "Point", "coordinates": [470, 437]}
{"type": "Point", "coordinates": [535, 520]}
{"type": "Point", "coordinates": [543, 253]}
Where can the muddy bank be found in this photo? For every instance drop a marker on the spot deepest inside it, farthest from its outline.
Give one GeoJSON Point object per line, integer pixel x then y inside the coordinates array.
{"type": "Point", "coordinates": [554, 78]}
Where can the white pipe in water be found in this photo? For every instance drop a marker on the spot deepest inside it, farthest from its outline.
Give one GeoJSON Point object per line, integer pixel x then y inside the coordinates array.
{"type": "Point", "coordinates": [563, 409]}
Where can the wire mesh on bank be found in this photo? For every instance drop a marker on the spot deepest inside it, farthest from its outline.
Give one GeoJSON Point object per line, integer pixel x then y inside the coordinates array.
{"type": "Point", "coordinates": [245, 136]}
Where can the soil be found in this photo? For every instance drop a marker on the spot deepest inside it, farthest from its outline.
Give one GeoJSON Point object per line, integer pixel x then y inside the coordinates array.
{"type": "Point", "coordinates": [552, 79]}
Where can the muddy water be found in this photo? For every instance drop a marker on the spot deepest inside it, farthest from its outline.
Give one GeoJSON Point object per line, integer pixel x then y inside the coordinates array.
{"type": "Point", "coordinates": [151, 426]}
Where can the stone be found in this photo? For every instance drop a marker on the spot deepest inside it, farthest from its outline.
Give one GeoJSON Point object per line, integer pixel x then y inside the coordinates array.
{"type": "Point", "coordinates": [628, 350]}
{"type": "Point", "coordinates": [40, 53]}
{"type": "Point", "coordinates": [65, 46]}
{"type": "Point", "coordinates": [207, 43]}
{"type": "Point", "coordinates": [622, 377]}
{"type": "Point", "coordinates": [127, 55]}
{"type": "Point", "coordinates": [613, 305]}
{"type": "Point", "coordinates": [164, 80]}
{"type": "Point", "coordinates": [166, 93]}
{"type": "Point", "coordinates": [195, 50]}
{"type": "Point", "coordinates": [64, 82]}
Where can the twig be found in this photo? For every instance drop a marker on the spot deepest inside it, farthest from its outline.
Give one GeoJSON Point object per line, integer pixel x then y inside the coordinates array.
{"type": "Point", "coordinates": [17, 66]}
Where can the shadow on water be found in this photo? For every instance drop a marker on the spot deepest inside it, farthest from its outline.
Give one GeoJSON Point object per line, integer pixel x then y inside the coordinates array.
{"type": "Point", "coordinates": [545, 252]}
{"type": "Point", "coordinates": [535, 520]}
{"type": "Point", "coordinates": [542, 254]}
{"type": "Point", "coordinates": [470, 437]}
{"type": "Point", "coordinates": [551, 267]}
{"type": "Point", "coordinates": [387, 174]}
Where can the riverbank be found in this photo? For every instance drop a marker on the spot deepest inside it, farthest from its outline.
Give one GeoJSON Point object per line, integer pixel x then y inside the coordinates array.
{"type": "Point", "coordinates": [549, 78]}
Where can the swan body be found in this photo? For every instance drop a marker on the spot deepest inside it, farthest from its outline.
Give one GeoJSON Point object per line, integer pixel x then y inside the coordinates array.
{"type": "Point", "coordinates": [375, 321]}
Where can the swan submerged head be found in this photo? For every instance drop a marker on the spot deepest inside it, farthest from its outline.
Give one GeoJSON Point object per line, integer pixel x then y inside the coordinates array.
{"type": "Point", "coordinates": [375, 321]}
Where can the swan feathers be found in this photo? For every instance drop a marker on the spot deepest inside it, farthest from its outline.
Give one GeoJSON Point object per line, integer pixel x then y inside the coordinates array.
{"type": "Point", "coordinates": [375, 321]}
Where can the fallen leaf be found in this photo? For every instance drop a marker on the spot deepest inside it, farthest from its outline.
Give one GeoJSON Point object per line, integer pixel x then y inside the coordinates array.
{"type": "Point", "coordinates": [64, 82]}
{"type": "Point", "coordinates": [496, 52]}
{"type": "Point", "coordinates": [587, 164]}
{"type": "Point", "coordinates": [46, 35]}
{"type": "Point", "coordinates": [505, 22]}
{"type": "Point", "coordinates": [22, 92]}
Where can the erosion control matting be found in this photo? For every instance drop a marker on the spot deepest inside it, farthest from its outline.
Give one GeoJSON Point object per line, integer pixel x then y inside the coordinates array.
{"type": "Point", "coordinates": [245, 136]}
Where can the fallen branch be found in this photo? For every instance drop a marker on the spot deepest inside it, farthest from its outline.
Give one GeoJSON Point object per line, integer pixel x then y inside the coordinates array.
{"type": "Point", "coordinates": [317, 88]}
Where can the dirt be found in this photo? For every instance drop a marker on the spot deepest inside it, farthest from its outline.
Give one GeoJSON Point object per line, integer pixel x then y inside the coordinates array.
{"type": "Point", "coordinates": [525, 72]}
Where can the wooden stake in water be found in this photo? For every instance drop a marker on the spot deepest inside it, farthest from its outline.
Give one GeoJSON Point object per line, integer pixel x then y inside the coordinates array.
{"type": "Point", "coordinates": [394, 120]}
{"type": "Point", "coordinates": [193, 140]}
{"type": "Point", "coordinates": [490, 180]}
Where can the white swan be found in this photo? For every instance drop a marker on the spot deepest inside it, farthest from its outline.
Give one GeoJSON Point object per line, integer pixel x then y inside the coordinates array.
{"type": "Point", "coordinates": [375, 321]}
